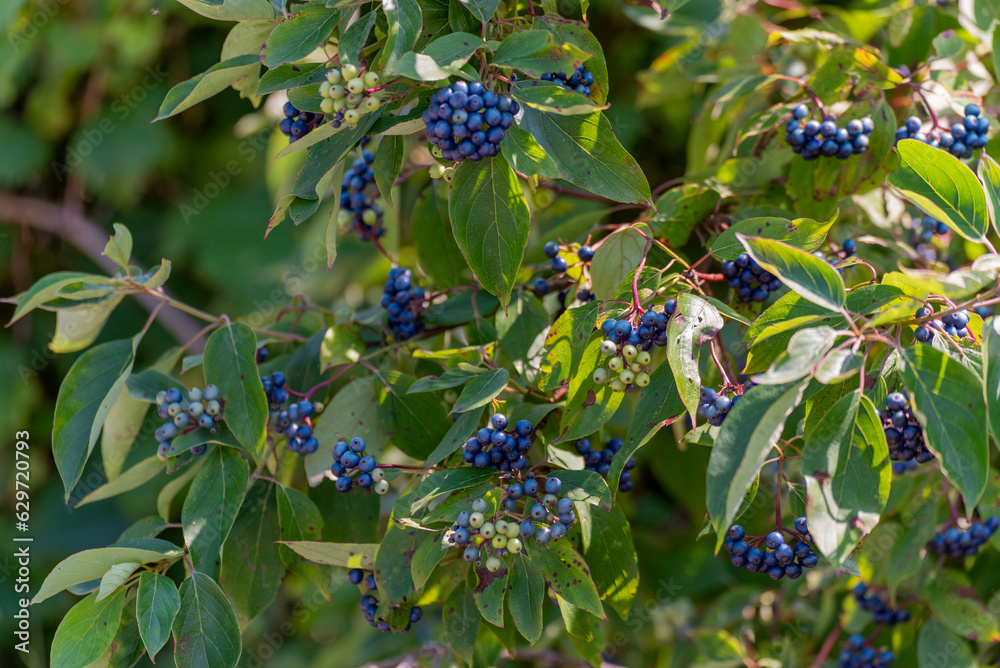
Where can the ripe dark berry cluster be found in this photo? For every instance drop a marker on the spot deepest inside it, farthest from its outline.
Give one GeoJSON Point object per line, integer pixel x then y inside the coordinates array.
{"type": "Point", "coordinates": [778, 559]}
{"type": "Point", "coordinates": [500, 447]}
{"type": "Point", "coordinates": [963, 138]}
{"type": "Point", "coordinates": [715, 407]}
{"type": "Point", "coordinates": [201, 409]}
{"type": "Point", "coordinates": [856, 655]}
{"type": "Point", "coordinates": [581, 80]}
{"type": "Point", "coordinates": [357, 199]}
{"type": "Point", "coordinates": [369, 604]}
{"type": "Point", "coordinates": [297, 124]}
{"type": "Point", "coordinates": [749, 279]}
{"type": "Point", "coordinates": [291, 421]}
{"type": "Point", "coordinates": [957, 543]}
{"type": "Point", "coordinates": [348, 459]}
{"type": "Point", "coordinates": [277, 393]}
{"type": "Point", "coordinates": [903, 433]}
{"type": "Point", "coordinates": [600, 461]}
{"type": "Point", "coordinates": [464, 120]}
{"type": "Point", "coordinates": [348, 96]}
{"type": "Point", "coordinates": [814, 139]}
{"type": "Point", "coordinates": [403, 301]}
{"type": "Point", "coordinates": [559, 266]}
{"type": "Point", "coordinates": [925, 227]}
{"type": "Point", "coordinates": [881, 613]}
{"type": "Point", "coordinates": [953, 324]}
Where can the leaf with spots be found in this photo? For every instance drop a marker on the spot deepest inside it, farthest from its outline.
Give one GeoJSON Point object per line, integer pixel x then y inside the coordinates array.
{"type": "Point", "coordinates": [460, 620]}
{"type": "Point", "coordinates": [802, 233]}
{"type": "Point", "coordinates": [527, 593]}
{"type": "Point", "coordinates": [565, 343]}
{"type": "Point", "coordinates": [231, 364]}
{"type": "Point", "coordinates": [211, 506]}
{"type": "Point", "coordinates": [252, 569]}
{"type": "Point", "coordinates": [415, 423]}
{"type": "Point", "coordinates": [588, 405]}
{"type": "Point", "coordinates": [567, 573]}
{"type": "Point", "coordinates": [693, 324]}
{"type": "Point", "coordinates": [393, 573]}
{"type": "Point", "coordinates": [489, 594]}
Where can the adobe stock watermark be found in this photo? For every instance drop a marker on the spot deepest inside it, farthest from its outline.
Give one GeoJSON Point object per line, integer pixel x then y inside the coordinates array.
{"type": "Point", "coordinates": [44, 12]}
{"type": "Point", "coordinates": [218, 181]}
{"type": "Point", "coordinates": [122, 107]}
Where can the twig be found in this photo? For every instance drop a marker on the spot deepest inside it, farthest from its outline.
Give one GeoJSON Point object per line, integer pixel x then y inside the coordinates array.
{"type": "Point", "coordinates": [827, 647]}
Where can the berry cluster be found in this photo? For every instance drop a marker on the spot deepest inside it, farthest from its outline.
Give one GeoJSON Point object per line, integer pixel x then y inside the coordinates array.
{"type": "Point", "coordinates": [856, 655]}
{"type": "Point", "coordinates": [963, 138]}
{"type": "Point", "coordinates": [550, 519]}
{"type": "Point", "coordinates": [348, 459]}
{"type": "Point", "coordinates": [357, 199]}
{"type": "Point", "coordinates": [297, 124]}
{"type": "Point", "coordinates": [957, 544]}
{"type": "Point", "coordinates": [600, 461]}
{"type": "Point", "coordinates": [348, 96]}
{"type": "Point", "coordinates": [559, 265]}
{"type": "Point", "coordinates": [749, 279]}
{"type": "Point", "coordinates": [499, 447]}
{"type": "Point", "coordinates": [778, 559]}
{"type": "Point", "coordinates": [925, 227]}
{"type": "Point", "coordinates": [628, 366]}
{"type": "Point", "coordinates": [581, 80]}
{"type": "Point", "coordinates": [714, 406]}
{"type": "Point", "coordinates": [903, 433]}
{"type": "Point", "coordinates": [369, 604]}
{"type": "Point", "coordinates": [403, 301]}
{"type": "Point", "coordinates": [200, 410]}
{"type": "Point", "coordinates": [881, 613]}
{"type": "Point", "coordinates": [293, 421]}
{"type": "Point", "coordinates": [953, 324]}
{"type": "Point", "coordinates": [464, 120]}
{"type": "Point", "coordinates": [814, 139]}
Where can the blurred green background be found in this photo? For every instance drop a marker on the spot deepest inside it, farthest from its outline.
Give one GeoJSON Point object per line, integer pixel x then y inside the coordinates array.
{"type": "Point", "coordinates": [80, 82]}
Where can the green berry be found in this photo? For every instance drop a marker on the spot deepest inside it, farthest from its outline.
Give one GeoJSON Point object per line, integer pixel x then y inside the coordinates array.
{"type": "Point", "coordinates": [626, 376]}
{"type": "Point", "coordinates": [608, 348]}
{"type": "Point", "coordinates": [476, 520]}
{"type": "Point", "coordinates": [371, 79]}
{"type": "Point", "coordinates": [493, 564]}
{"type": "Point", "coordinates": [348, 71]}
{"type": "Point", "coordinates": [378, 475]}
{"type": "Point", "coordinates": [600, 376]}
{"type": "Point", "coordinates": [514, 545]}
{"type": "Point", "coordinates": [616, 364]}
{"type": "Point", "coordinates": [498, 542]}
{"type": "Point", "coordinates": [642, 379]}
{"type": "Point", "coordinates": [381, 487]}
{"type": "Point", "coordinates": [643, 357]}
{"type": "Point", "coordinates": [333, 76]}
{"type": "Point", "coordinates": [629, 352]}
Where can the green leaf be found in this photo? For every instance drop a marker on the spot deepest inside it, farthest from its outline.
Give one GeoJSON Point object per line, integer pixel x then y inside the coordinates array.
{"type": "Point", "coordinates": [989, 174]}
{"type": "Point", "coordinates": [680, 209]}
{"type": "Point", "coordinates": [450, 378]}
{"type": "Point", "coordinates": [388, 160]}
{"type": "Point", "coordinates": [203, 86]}
{"type": "Point", "coordinates": [459, 433]}
{"type": "Point", "coordinates": [346, 555]}
{"type": "Point", "coordinates": [297, 37]}
{"type": "Point", "coordinates": [947, 399]}
{"type": "Point", "coordinates": [567, 573]}
{"type": "Point", "coordinates": [357, 414]}
{"type": "Point", "coordinates": [609, 551]}
{"type": "Point", "coordinates": [121, 427]}
{"type": "Point", "coordinates": [115, 578]}
{"type": "Point", "coordinates": [405, 22]}
{"type": "Point", "coordinates": [415, 423]}
{"type": "Point", "coordinates": [941, 186]}
{"type": "Point", "coordinates": [481, 390]}
{"type": "Point", "coordinates": [448, 480]}
{"type": "Point", "coordinates": [802, 233]}
{"type": "Point", "coordinates": [85, 398]}
{"type": "Point", "coordinates": [742, 446]}
{"type": "Point", "coordinates": [991, 373]}
{"type": "Point", "coordinates": [586, 150]}
{"type": "Point", "coordinates": [430, 229]}
{"type": "Point", "coordinates": [86, 631]}
{"type": "Point", "coordinates": [694, 323]}
{"type": "Point", "coordinates": [49, 288]}
{"type": "Point", "coordinates": [119, 247]}
{"type": "Point", "coordinates": [482, 10]}
{"type": "Point", "coordinates": [658, 405]}
{"type": "Point", "coordinates": [353, 39]}
{"type": "Point", "coordinates": [904, 559]}
{"type": "Point", "coordinates": [807, 275]}
{"type": "Point", "coordinates": [585, 632]}
{"type": "Point", "coordinates": [490, 217]}
{"type": "Point", "coordinates": [615, 260]}
{"type": "Point", "coordinates": [426, 558]}
{"type": "Point", "coordinates": [937, 646]}
{"type": "Point", "coordinates": [231, 364]}
{"type": "Point", "coordinates": [536, 52]}
{"type": "Point", "coordinates": [284, 77]}
{"type": "Point", "coordinates": [954, 603]}
{"type": "Point", "coordinates": [253, 540]}
{"type": "Point", "coordinates": [845, 462]}
{"type": "Point", "coordinates": [805, 350]}
{"type": "Point", "coordinates": [300, 520]}
{"type": "Point", "coordinates": [460, 620]}
{"type": "Point", "coordinates": [585, 486]}
{"type": "Point", "coordinates": [93, 564]}
{"type": "Point", "coordinates": [527, 156]}
{"type": "Point", "coordinates": [554, 98]}
{"type": "Point", "coordinates": [135, 477]}
{"type": "Point", "coordinates": [205, 630]}
{"type": "Point", "coordinates": [526, 595]}
{"type": "Point", "coordinates": [126, 649]}
{"type": "Point", "coordinates": [588, 406]}
{"type": "Point", "coordinates": [211, 506]}
{"type": "Point", "coordinates": [392, 561]}
{"type": "Point", "coordinates": [145, 385]}
{"type": "Point", "coordinates": [157, 603]}
{"type": "Point", "coordinates": [341, 345]}
{"type": "Point", "coordinates": [440, 59]}
{"type": "Point", "coordinates": [489, 594]}
{"type": "Point", "coordinates": [566, 342]}
{"type": "Point", "coordinates": [79, 326]}
{"type": "Point", "coordinates": [231, 10]}
{"type": "Point", "coordinates": [520, 330]}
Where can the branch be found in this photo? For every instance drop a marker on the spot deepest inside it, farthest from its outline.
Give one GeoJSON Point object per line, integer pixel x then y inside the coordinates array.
{"type": "Point", "coordinates": [85, 235]}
